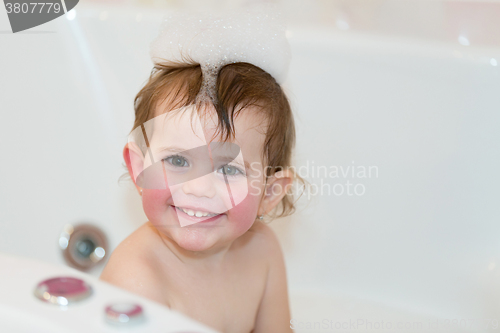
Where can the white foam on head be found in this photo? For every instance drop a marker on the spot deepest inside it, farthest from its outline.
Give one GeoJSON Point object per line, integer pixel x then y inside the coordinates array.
{"type": "Point", "coordinates": [253, 34]}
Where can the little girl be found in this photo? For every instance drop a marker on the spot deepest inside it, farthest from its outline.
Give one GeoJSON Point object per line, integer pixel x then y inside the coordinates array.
{"type": "Point", "coordinates": [210, 155]}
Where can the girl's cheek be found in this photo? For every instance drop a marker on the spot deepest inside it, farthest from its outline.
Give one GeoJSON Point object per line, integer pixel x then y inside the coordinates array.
{"type": "Point", "coordinates": [154, 203]}
{"type": "Point", "coordinates": [243, 215]}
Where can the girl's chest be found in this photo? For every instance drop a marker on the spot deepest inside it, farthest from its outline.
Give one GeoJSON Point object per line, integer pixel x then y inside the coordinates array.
{"type": "Point", "coordinates": [228, 304]}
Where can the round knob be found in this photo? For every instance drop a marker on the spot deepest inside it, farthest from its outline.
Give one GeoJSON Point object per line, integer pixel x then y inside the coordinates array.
{"type": "Point", "coordinates": [124, 314]}
{"type": "Point", "coordinates": [62, 290]}
{"type": "Point", "coordinates": [83, 245]}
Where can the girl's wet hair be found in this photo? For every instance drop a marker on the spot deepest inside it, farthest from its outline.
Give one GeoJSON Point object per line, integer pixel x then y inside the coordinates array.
{"type": "Point", "coordinates": [239, 85]}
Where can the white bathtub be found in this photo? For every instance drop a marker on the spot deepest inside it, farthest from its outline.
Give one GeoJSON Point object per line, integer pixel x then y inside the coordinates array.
{"type": "Point", "coordinates": [407, 98]}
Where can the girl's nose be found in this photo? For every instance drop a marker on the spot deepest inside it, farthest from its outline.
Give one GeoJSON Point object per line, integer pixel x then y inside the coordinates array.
{"type": "Point", "coordinates": [201, 187]}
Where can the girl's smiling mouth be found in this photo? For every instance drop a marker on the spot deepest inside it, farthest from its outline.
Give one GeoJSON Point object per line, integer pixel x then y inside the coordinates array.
{"type": "Point", "coordinates": [196, 215]}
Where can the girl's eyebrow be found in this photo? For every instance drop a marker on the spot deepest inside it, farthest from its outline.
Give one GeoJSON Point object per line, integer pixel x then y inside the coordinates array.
{"type": "Point", "coordinates": [174, 149]}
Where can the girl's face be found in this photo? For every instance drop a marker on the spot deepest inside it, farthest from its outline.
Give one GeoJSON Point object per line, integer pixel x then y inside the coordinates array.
{"type": "Point", "coordinates": [196, 190]}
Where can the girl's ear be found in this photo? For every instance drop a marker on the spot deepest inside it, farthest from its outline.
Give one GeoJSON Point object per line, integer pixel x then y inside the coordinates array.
{"type": "Point", "coordinates": [134, 160]}
{"type": "Point", "coordinates": [277, 186]}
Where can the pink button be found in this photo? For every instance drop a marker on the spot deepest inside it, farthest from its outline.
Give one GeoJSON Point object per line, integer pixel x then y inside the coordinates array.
{"type": "Point", "coordinates": [124, 313]}
{"type": "Point", "coordinates": [62, 290]}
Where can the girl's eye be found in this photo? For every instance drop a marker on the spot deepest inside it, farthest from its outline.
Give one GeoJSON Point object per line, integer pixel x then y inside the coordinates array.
{"type": "Point", "coordinates": [177, 161]}
{"type": "Point", "coordinates": [230, 170]}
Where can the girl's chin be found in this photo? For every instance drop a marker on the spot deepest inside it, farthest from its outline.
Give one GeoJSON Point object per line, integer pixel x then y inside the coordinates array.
{"type": "Point", "coordinates": [196, 242]}
{"type": "Point", "coordinates": [198, 237]}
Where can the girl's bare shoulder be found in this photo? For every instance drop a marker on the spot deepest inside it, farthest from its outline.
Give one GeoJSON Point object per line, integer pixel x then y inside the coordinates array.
{"type": "Point", "coordinates": [136, 246]}
{"type": "Point", "coordinates": [130, 266]}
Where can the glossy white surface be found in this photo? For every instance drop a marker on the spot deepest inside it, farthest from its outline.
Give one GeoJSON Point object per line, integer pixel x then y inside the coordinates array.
{"type": "Point", "coordinates": [22, 312]}
{"type": "Point", "coordinates": [402, 88]}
